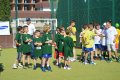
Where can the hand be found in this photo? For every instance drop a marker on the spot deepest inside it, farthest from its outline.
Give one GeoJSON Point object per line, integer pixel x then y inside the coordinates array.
{"type": "Point", "coordinates": [114, 41]}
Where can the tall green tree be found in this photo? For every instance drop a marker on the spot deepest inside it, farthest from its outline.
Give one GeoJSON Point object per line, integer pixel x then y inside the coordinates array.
{"type": "Point", "coordinates": [4, 10]}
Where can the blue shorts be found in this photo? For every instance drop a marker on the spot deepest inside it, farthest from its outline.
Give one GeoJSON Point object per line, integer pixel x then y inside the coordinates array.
{"type": "Point", "coordinates": [104, 48]}
{"type": "Point", "coordinates": [98, 46]}
{"type": "Point", "coordinates": [46, 55]}
{"type": "Point", "coordinates": [87, 49]}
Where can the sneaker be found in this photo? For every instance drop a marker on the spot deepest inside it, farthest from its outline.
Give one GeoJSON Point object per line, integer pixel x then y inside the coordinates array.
{"type": "Point", "coordinates": [24, 67]}
{"type": "Point", "coordinates": [35, 67]}
{"type": "Point", "coordinates": [29, 66]}
{"type": "Point", "coordinates": [59, 65]}
{"type": "Point", "coordinates": [49, 68]}
{"type": "Point", "coordinates": [73, 59]}
{"type": "Point", "coordinates": [69, 68]}
{"type": "Point", "coordinates": [65, 67]}
{"type": "Point", "coordinates": [102, 58]}
{"type": "Point", "coordinates": [20, 65]}
{"type": "Point", "coordinates": [43, 69]}
{"type": "Point", "coordinates": [15, 66]}
{"type": "Point", "coordinates": [85, 62]}
{"type": "Point", "coordinates": [92, 63]}
{"type": "Point", "coordinates": [110, 60]}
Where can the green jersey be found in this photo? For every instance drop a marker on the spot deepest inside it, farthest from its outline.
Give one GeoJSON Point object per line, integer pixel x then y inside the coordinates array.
{"type": "Point", "coordinates": [68, 46]}
{"type": "Point", "coordinates": [37, 49]}
{"type": "Point", "coordinates": [47, 48]}
{"type": "Point", "coordinates": [26, 45]}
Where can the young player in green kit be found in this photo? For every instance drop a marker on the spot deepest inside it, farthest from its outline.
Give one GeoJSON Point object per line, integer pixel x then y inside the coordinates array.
{"type": "Point", "coordinates": [37, 40]}
{"type": "Point", "coordinates": [26, 45]}
{"type": "Point", "coordinates": [68, 50]}
{"type": "Point", "coordinates": [47, 49]}
{"type": "Point", "coordinates": [18, 41]}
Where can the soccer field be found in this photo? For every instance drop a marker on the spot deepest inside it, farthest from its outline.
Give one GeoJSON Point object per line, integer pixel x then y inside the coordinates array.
{"type": "Point", "coordinates": [79, 71]}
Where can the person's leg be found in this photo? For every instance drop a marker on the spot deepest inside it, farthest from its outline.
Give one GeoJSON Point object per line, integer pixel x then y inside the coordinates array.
{"type": "Point", "coordinates": [43, 64]}
{"type": "Point", "coordinates": [74, 54]}
{"type": "Point", "coordinates": [86, 56]}
{"type": "Point", "coordinates": [109, 53]}
{"type": "Point", "coordinates": [23, 60]}
{"type": "Point", "coordinates": [34, 68]}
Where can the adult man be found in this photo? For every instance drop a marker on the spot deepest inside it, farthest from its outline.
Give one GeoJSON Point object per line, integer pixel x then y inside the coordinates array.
{"type": "Point", "coordinates": [111, 35]}
{"type": "Point", "coordinates": [72, 29]}
{"type": "Point", "coordinates": [31, 27]}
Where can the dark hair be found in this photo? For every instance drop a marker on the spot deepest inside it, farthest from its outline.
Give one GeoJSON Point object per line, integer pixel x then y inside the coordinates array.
{"type": "Point", "coordinates": [72, 21]}
{"type": "Point", "coordinates": [85, 26]}
{"type": "Point", "coordinates": [109, 21]}
{"type": "Point", "coordinates": [90, 25]}
{"type": "Point", "coordinates": [19, 28]}
{"type": "Point", "coordinates": [37, 31]}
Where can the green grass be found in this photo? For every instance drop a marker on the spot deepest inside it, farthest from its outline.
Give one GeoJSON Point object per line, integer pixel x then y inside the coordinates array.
{"type": "Point", "coordinates": [79, 71]}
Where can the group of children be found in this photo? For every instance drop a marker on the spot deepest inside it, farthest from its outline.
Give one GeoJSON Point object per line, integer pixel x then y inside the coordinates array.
{"type": "Point", "coordinates": [95, 42]}
{"type": "Point", "coordinates": [100, 43]}
{"type": "Point", "coordinates": [42, 48]}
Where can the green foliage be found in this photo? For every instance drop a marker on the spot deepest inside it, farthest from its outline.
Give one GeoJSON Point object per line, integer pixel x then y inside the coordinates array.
{"type": "Point", "coordinates": [4, 10]}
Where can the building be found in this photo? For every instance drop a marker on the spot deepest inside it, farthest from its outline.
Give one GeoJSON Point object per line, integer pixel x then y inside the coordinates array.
{"type": "Point", "coordinates": [32, 8]}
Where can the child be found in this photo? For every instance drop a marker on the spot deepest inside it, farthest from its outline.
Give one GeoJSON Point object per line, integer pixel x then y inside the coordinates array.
{"type": "Point", "coordinates": [97, 40]}
{"type": "Point", "coordinates": [18, 41]}
{"type": "Point", "coordinates": [47, 49]}
{"type": "Point", "coordinates": [89, 43]}
{"type": "Point", "coordinates": [26, 46]}
{"type": "Point", "coordinates": [37, 40]}
{"type": "Point", "coordinates": [103, 42]}
{"type": "Point", "coordinates": [60, 46]}
{"type": "Point", "coordinates": [68, 50]}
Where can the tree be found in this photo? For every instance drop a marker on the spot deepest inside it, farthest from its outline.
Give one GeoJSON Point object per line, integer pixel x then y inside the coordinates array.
{"type": "Point", "coordinates": [4, 10]}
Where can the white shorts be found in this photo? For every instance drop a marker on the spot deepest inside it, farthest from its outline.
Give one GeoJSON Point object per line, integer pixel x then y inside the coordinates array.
{"type": "Point", "coordinates": [111, 47]}
{"type": "Point", "coordinates": [94, 47]}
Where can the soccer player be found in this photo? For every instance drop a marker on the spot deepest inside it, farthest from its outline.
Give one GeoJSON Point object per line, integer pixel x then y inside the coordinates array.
{"type": "Point", "coordinates": [47, 48]}
{"type": "Point", "coordinates": [37, 40]}
{"type": "Point", "coordinates": [111, 35]}
{"type": "Point", "coordinates": [72, 30]}
{"type": "Point", "coordinates": [68, 50]}
{"type": "Point", "coordinates": [97, 40]}
{"type": "Point", "coordinates": [18, 41]}
{"type": "Point", "coordinates": [26, 46]}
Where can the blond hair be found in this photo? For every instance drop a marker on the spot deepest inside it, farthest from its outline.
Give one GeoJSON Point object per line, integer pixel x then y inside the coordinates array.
{"type": "Point", "coordinates": [46, 28]}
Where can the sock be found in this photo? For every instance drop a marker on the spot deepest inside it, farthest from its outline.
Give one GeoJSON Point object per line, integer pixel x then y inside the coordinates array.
{"type": "Point", "coordinates": [48, 65]}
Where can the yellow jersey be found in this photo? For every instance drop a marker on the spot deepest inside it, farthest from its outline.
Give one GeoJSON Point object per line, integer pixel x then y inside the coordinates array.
{"type": "Point", "coordinates": [73, 33]}
{"type": "Point", "coordinates": [88, 38]}
{"type": "Point", "coordinates": [117, 37]}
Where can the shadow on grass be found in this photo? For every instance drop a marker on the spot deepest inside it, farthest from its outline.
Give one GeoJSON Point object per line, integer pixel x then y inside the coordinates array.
{"type": "Point", "coordinates": [1, 68]}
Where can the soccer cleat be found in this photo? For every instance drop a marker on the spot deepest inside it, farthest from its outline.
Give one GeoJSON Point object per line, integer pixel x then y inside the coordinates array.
{"type": "Point", "coordinates": [49, 68]}
{"type": "Point", "coordinates": [24, 67]}
{"type": "Point", "coordinates": [73, 59]}
{"type": "Point", "coordinates": [65, 67]}
{"type": "Point", "coordinates": [43, 69]}
{"type": "Point", "coordinates": [69, 68]}
{"type": "Point", "coordinates": [14, 66]}
{"type": "Point", "coordinates": [102, 58]}
{"type": "Point", "coordinates": [92, 63]}
{"type": "Point", "coordinates": [59, 65]}
{"type": "Point", "coordinates": [85, 62]}
{"type": "Point", "coordinates": [110, 60]}
{"type": "Point", "coordinates": [20, 65]}
{"type": "Point", "coordinates": [35, 67]}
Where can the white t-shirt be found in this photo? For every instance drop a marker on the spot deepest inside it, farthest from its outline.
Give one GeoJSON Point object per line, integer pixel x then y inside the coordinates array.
{"type": "Point", "coordinates": [97, 38]}
{"type": "Point", "coordinates": [31, 29]}
{"type": "Point", "coordinates": [110, 35]}
{"type": "Point", "coordinates": [103, 39]}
